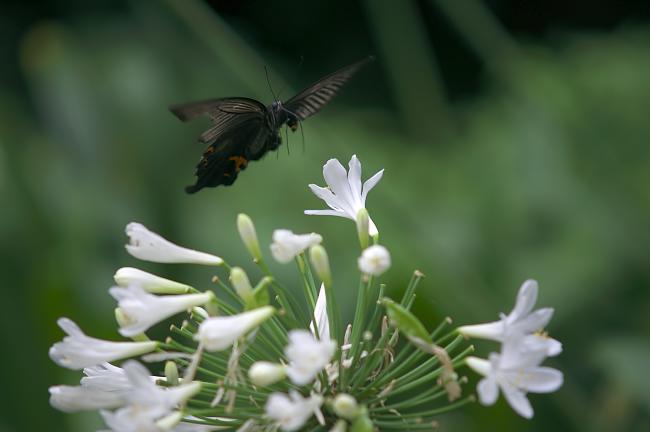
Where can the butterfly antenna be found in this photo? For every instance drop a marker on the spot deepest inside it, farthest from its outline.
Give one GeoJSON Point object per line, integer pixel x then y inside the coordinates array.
{"type": "Point", "coordinates": [268, 81]}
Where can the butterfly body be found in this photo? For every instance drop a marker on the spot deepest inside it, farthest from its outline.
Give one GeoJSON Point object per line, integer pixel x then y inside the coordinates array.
{"type": "Point", "coordinates": [245, 130]}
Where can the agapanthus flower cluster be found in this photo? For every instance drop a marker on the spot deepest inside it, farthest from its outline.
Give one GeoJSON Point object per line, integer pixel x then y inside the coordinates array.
{"type": "Point", "coordinates": [265, 356]}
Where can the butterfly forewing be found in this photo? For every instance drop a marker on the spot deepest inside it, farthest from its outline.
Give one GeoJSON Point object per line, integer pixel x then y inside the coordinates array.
{"type": "Point", "coordinates": [309, 101]}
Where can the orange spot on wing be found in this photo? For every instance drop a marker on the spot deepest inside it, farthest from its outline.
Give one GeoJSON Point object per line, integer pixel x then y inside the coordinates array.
{"type": "Point", "coordinates": [240, 162]}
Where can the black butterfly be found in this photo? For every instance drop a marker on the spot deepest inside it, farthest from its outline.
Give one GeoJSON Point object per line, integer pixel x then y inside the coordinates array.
{"type": "Point", "coordinates": [245, 130]}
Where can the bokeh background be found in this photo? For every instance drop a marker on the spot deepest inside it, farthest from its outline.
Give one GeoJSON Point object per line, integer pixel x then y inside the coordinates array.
{"type": "Point", "coordinates": [515, 137]}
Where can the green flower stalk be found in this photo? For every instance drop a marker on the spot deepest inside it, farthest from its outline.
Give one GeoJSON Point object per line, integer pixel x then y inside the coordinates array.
{"type": "Point", "coordinates": [256, 357]}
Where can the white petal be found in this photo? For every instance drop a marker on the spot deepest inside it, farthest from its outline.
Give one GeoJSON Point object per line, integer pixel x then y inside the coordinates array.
{"type": "Point", "coordinates": [326, 213]}
{"type": "Point", "coordinates": [369, 184]}
{"type": "Point", "coordinates": [526, 299]}
{"type": "Point", "coordinates": [337, 180]}
{"type": "Point", "coordinates": [535, 342]}
{"type": "Point", "coordinates": [479, 365]}
{"type": "Point", "coordinates": [320, 314]}
{"type": "Point", "coordinates": [517, 400]}
{"type": "Point", "coordinates": [488, 391]}
{"type": "Point", "coordinates": [354, 178]}
{"type": "Point", "coordinates": [326, 195]}
{"type": "Point", "coordinates": [518, 352]}
{"type": "Point", "coordinates": [534, 321]}
{"type": "Point", "coordinates": [554, 347]}
{"type": "Point", "coordinates": [541, 380]}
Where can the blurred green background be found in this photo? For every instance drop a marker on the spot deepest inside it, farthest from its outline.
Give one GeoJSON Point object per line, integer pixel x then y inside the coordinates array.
{"type": "Point", "coordinates": [515, 137]}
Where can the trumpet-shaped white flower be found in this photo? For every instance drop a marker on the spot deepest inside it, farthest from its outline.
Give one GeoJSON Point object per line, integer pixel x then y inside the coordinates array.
{"type": "Point", "coordinates": [149, 282]}
{"type": "Point", "coordinates": [515, 372]}
{"type": "Point", "coordinates": [287, 245]}
{"type": "Point", "coordinates": [320, 315]}
{"type": "Point", "coordinates": [374, 260]}
{"type": "Point", "coordinates": [521, 324]}
{"type": "Point", "coordinates": [307, 356]}
{"type": "Point", "coordinates": [78, 351]}
{"type": "Point", "coordinates": [149, 246]}
{"type": "Point", "coordinates": [345, 195]}
{"type": "Point", "coordinates": [263, 373]}
{"type": "Point", "coordinates": [78, 398]}
{"type": "Point", "coordinates": [291, 411]}
{"type": "Point", "coordinates": [142, 310]}
{"type": "Point", "coordinates": [148, 404]}
{"type": "Point", "coordinates": [104, 387]}
{"type": "Point", "coordinates": [219, 333]}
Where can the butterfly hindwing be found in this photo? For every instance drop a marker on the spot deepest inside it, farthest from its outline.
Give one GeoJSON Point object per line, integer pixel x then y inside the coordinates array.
{"type": "Point", "coordinates": [225, 113]}
{"type": "Point", "coordinates": [230, 153]}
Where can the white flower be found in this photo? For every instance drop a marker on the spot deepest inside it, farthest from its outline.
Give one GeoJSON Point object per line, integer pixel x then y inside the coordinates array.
{"type": "Point", "coordinates": [142, 310]}
{"type": "Point", "coordinates": [291, 412]}
{"type": "Point", "coordinates": [374, 260]}
{"type": "Point", "coordinates": [287, 245]}
{"type": "Point", "coordinates": [219, 333]}
{"type": "Point", "coordinates": [522, 324]}
{"type": "Point", "coordinates": [307, 356]}
{"type": "Point", "coordinates": [320, 315]}
{"type": "Point", "coordinates": [263, 373]}
{"type": "Point", "coordinates": [77, 398]}
{"type": "Point", "coordinates": [344, 195]}
{"type": "Point", "coordinates": [151, 283]}
{"type": "Point", "coordinates": [78, 351]}
{"type": "Point", "coordinates": [515, 372]}
{"type": "Point", "coordinates": [148, 404]}
{"type": "Point", "coordinates": [104, 386]}
{"type": "Point", "coordinates": [149, 246]}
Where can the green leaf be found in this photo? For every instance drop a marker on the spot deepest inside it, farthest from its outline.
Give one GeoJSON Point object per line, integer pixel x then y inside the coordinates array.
{"type": "Point", "coordinates": [406, 322]}
{"type": "Point", "coordinates": [261, 292]}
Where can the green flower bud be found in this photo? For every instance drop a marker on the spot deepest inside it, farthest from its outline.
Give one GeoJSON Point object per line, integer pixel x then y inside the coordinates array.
{"type": "Point", "coordinates": [249, 236]}
{"type": "Point", "coordinates": [320, 261]}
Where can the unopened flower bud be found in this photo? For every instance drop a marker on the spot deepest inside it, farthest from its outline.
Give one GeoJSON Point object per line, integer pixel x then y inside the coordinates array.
{"type": "Point", "coordinates": [241, 283]}
{"type": "Point", "coordinates": [345, 406]}
{"type": "Point", "coordinates": [374, 260]}
{"type": "Point", "coordinates": [264, 373]}
{"type": "Point", "coordinates": [171, 373]}
{"type": "Point", "coordinates": [320, 261]}
{"type": "Point", "coordinates": [249, 236]}
{"type": "Point", "coordinates": [149, 282]}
